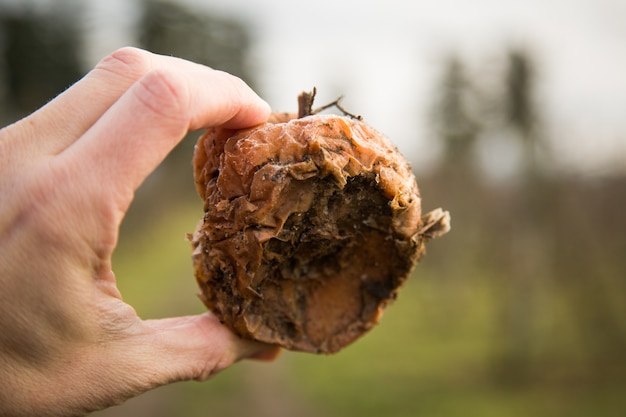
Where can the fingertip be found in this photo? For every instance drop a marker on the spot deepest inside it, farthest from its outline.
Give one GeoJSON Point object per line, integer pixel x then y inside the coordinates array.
{"type": "Point", "coordinates": [253, 111]}
{"type": "Point", "coordinates": [265, 110]}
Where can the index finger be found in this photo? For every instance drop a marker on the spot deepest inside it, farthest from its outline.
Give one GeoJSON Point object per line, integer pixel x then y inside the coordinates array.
{"type": "Point", "coordinates": [63, 120]}
{"type": "Point", "coordinates": [138, 131]}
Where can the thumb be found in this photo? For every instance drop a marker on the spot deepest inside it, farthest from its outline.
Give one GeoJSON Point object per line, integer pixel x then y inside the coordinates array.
{"type": "Point", "coordinates": [196, 347]}
{"type": "Point", "coordinates": [149, 354]}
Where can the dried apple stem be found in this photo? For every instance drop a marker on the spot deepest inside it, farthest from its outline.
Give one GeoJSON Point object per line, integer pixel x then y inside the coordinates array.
{"type": "Point", "coordinates": [305, 105]}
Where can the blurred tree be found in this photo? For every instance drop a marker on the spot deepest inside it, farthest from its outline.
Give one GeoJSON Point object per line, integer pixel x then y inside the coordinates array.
{"type": "Point", "coordinates": [172, 29]}
{"type": "Point", "coordinates": [39, 56]}
{"type": "Point", "coordinates": [520, 110]}
{"type": "Point", "coordinates": [501, 227]}
{"type": "Point", "coordinates": [454, 118]}
{"type": "Point", "coordinates": [455, 122]}
{"type": "Point", "coordinates": [527, 237]}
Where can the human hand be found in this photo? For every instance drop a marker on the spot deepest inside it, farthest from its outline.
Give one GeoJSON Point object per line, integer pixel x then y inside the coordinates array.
{"type": "Point", "coordinates": [68, 172]}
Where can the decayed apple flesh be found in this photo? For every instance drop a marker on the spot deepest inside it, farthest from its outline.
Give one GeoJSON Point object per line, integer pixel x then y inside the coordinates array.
{"type": "Point", "coordinates": [311, 226]}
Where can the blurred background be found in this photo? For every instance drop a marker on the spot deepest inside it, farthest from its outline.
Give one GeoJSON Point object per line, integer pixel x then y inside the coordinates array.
{"type": "Point", "coordinates": [513, 115]}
